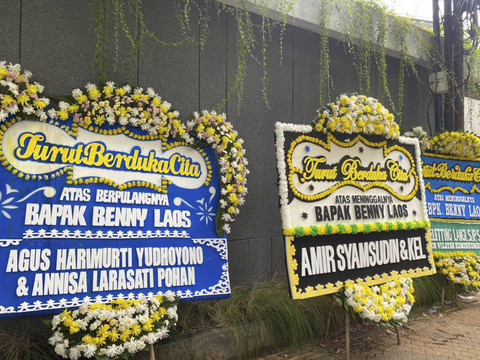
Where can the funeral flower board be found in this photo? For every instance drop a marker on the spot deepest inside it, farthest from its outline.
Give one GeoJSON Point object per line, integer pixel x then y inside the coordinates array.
{"type": "Point", "coordinates": [352, 207]}
{"type": "Point", "coordinates": [104, 212]}
{"type": "Point", "coordinates": [453, 201]}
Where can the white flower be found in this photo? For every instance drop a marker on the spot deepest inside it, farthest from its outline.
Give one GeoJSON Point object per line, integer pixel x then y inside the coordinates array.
{"type": "Point", "coordinates": [75, 353]}
{"type": "Point", "coordinates": [131, 346]}
{"type": "Point", "coordinates": [13, 109]}
{"type": "Point", "coordinates": [151, 92]}
{"type": "Point", "coordinates": [226, 228]}
{"type": "Point", "coordinates": [52, 113]}
{"type": "Point", "coordinates": [169, 295]}
{"type": "Point", "coordinates": [76, 93]}
{"type": "Point", "coordinates": [162, 333]}
{"type": "Point", "coordinates": [13, 88]}
{"type": "Point", "coordinates": [167, 105]}
{"type": "Point", "coordinates": [46, 101]}
{"type": "Point", "coordinates": [89, 350]}
{"type": "Point", "coordinates": [14, 68]}
{"type": "Point", "coordinates": [60, 350]}
{"type": "Point", "coordinates": [90, 86]}
{"type": "Point", "coordinates": [56, 338]}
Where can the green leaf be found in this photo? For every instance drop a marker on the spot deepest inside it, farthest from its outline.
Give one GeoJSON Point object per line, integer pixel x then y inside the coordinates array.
{"type": "Point", "coordinates": [219, 222]}
{"type": "Point", "coordinates": [199, 144]}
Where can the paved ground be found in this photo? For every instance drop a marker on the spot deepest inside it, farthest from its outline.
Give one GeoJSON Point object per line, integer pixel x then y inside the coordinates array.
{"type": "Point", "coordinates": [440, 334]}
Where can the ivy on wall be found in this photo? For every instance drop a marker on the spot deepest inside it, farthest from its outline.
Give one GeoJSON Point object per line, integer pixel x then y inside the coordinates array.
{"type": "Point", "coordinates": [364, 38]}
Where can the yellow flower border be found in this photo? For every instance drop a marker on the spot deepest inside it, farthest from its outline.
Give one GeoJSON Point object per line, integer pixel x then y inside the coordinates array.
{"type": "Point", "coordinates": [327, 146]}
{"type": "Point", "coordinates": [95, 180]}
{"type": "Point", "coordinates": [329, 288]}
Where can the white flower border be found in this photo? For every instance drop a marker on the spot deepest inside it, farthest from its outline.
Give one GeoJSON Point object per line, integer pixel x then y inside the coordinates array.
{"type": "Point", "coordinates": [281, 128]}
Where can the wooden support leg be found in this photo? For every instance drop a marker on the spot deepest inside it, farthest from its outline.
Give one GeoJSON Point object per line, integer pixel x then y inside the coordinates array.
{"type": "Point", "coordinates": [443, 295]}
{"type": "Point", "coordinates": [397, 330]}
{"type": "Point", "coordinates": [329, 319]}
{"type": "Point", "coordinates": [454, 294]}
{"type": "Point", "coordinates": [347, 335]}
{"type": "Point", "coordinates": [152, 352]}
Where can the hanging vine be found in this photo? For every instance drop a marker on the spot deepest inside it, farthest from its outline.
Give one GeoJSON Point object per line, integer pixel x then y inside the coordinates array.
{"type": "Point", "coordinates": [325, 79]}
{"type": "Point", "coordinates": [365, 40]}
{"type": "Point", "coordinates": [117, 20]}
{"type": "Point", "coordinates": [365, 34]}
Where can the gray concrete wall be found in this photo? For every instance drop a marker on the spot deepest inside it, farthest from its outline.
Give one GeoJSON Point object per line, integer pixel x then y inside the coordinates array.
{"type": "Point", "coordinates": [55, 40]}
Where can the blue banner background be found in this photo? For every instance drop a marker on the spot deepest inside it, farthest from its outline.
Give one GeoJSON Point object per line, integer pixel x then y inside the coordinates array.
{"type": "Point", "coordinates": [211, 276]}
{"type": "Point", "coordinates": [459, 200]}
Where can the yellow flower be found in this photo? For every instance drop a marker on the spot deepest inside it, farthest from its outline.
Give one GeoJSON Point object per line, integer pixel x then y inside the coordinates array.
{"type": "Point", "coordinates": [233, 199]}
{"type": "Point", "coordinates": [146, 115]}
{"type": "Point", "coordinates": [7, 100]}
{"type": "Point", "coordinates": [74, 328]}
{"type": "Point", "coordinates": [81, 99]}
{"type": "Point", "coordinates": [120, 92]}
{"type": "Point", "coordinates": [114, 335]}
{"type": "Point", "coordinates": [125, 335]}
{"type": "Point", "coordinates": [87, 339]}
{"type": "Point", "coordinates": [93, 93]}
{"type": "Point", "coordinates": [32, 89]}
{"type": "Point", "coordinates": [148, 325]}
{"type": "Point", "coordinates": [62, 114]}
{"type": "Point", "coordinates": [162, 311]}
{"type": "Point", "coordinates": [103, 330]}
{"type": "Point", "coordinates": [107, 90]}
{"type": "Point", "coordinates": [72, 109]}
{"type": "Point", "coordinates": [23, 99]}
{"type": "Point", "coordinates": [156, 316]}
{"type": "Point", "coordinates": [99, 120]}
{"type": "Point", "coordinates": [3, 73]}
{"type": "Point", "coordinates": [136, 329]}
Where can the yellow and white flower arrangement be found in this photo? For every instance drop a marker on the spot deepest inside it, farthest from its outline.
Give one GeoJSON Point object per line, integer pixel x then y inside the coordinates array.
{"type": "Point", "coordinates": [456, 143]}
{"type": "Point", "coordinates": [213, 130]}
{"type": "Point", "coordinates": [356, 114]}
{"type": "Point", "coordinates": [421, 135]}
{"type": "Point", "coordinates": [123, 106]}
{"type": "Point", "coordinates": [461, 268]}
{"type": "Point", "coordinates": [118, 329]}
{"type": "Point", "coordinates": [386, 304]}
{"type": "Point", "coordinates": [19, 95]}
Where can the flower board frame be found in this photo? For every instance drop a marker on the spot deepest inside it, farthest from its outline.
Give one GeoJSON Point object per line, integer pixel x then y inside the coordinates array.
{"type": "Point", "coordinates": [345, 199]}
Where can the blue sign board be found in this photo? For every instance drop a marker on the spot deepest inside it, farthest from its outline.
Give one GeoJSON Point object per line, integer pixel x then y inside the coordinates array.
{"type": "Point", "coordinates": [89, 214]}
{"type": "Point", "coordinates": [451, 188]}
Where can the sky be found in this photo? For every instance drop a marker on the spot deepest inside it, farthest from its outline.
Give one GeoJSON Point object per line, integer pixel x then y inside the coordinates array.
{"type": "Point", "coordinates": [418, 9]}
